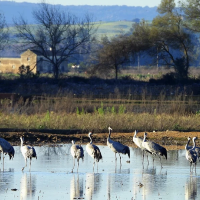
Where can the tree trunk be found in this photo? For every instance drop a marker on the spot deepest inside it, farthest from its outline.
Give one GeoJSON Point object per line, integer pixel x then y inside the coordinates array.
{"type": "Point", "coordinates": [56, 71]}
{"type": "Point", "coordinates": [116, 72]}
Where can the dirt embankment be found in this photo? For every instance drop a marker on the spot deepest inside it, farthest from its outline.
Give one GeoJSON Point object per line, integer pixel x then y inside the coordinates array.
{"type": "Point", "coordinates": [170, 139]}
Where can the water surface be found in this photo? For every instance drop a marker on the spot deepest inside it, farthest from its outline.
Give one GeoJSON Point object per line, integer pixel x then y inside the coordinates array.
{"type": "Point", "coordinates": [51, 176]}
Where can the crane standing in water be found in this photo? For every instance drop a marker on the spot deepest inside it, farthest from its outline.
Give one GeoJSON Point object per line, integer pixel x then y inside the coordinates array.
{"type": "Point", "coordinates": [138, 142]}
{"type": "Point", "coordinates": [154, 148]}
{"type": "Point", "coordinates": [76, 152]}
{"type": "Point", "coordinates": [117, 147]}
{"type": "Point", "coordinates": [93, 150]}
{"type": "Point", "coordinates": [197, 149]}
{"type": "Point", "coordinates": [27, 152]}
{"type": "Point", "coordinates": [191, 154]}
{"type": "Point", "coordinates": [6, 148]}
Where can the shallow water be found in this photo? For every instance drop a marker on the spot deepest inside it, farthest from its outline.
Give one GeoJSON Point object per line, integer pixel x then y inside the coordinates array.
{"type": "Point", "coordinates": [51, 176]}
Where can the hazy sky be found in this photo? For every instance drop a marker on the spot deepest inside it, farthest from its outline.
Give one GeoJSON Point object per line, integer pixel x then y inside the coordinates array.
{"type": "Point", "coordinates": [150, 3]}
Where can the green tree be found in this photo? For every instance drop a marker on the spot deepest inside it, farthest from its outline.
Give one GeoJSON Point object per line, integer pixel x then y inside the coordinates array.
{"type": "Point", "coordinates": [111, 54]}
{"type": "Point", "coordinates": [167, 38]}
{"type": "Point", "coordinates": [191, 10]}
{"type": "Point", "coordinates": [56, 35]}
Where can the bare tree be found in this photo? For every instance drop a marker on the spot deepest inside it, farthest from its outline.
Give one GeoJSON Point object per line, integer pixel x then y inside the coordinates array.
{"type": "Point", "coordinates": [56, 35]}
{"type": "Point", "coordinates": [4, 32]}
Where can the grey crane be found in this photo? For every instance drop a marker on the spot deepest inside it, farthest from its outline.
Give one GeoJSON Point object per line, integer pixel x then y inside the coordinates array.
{"type": "Point", "coordinates": [27, 152]}
{"type": "Point", "coordinates": [117, 147]}
{"type": "Point", "coordinates": [191, 154]}
{"type": "Point", "coordinates": [154, 148]}
{"type": "Point", "coordinates": [197, 149]}
{"type": "Point", "coordinates": [138, 142]}
{"type": "Point", "coordinates": [93, 150]}
{"type": "Point", "coordinates": [6, 148]}
{"type": "Point", "coordinates": [77, 153]}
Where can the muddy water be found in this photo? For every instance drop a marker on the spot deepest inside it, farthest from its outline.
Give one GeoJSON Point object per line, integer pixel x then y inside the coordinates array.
{"type": "Point", "coordinates": [51, 177]}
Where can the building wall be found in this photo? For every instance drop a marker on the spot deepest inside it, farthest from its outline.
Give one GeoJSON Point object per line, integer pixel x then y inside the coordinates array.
{"type": "Point", "coordinates": [28, 58]}
{"type": "Point", "coordinates": [11, 65]}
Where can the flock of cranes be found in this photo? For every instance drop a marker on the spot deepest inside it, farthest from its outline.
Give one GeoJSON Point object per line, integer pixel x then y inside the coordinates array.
{"type": "Point", "coordinates": [146, 146]}
{"type": "Point", "coordinates": [27, 151]}
{"type": "Point", "coordinates": [77, 152]}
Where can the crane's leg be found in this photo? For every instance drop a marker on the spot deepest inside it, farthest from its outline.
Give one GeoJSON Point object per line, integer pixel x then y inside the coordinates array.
{"type": "Point", "coordinates": [147, 159]}
{"type": "Point", "coordinates": [30, 165]}
{"type": "Point", "coordinates": [25, 164]}
{"type": "Point", "coordinates": [78, 164]}
{"type": "Point", "coordinates": [142, 157]}
{"type": "Point", "coordinates": [3, 161]}
{"type": "Point", "coordinates": [120, 160]}
{"type": "Point", "coordinates": [160, 162]}
{"type": "Point", "coordinates": [73, 165]}
{"type": "Point", "coordinates": [93, 165]}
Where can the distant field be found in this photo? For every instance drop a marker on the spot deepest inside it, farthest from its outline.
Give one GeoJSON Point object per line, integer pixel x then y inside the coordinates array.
{"type": "Point", "coordinates": [110, 29]}
{"type": "Point", "coordinates": [114, 28]}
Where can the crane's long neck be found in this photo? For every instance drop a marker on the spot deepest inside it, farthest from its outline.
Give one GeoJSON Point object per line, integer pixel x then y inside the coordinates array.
{"type": "Point", "coordinates": [186, 146]}
{"type": "Point", "coordinates": [109, 133]}
{"type": "Point", "coordinates": [144, 140]}
{"type": "Point", "coordinates": [21, 141]}
{"type": "Point", "coordinates": [194, 143]}
{"type": "Point", "coordinates": [135, 135]}
{"type": "Point", "coordinates": [90, 139]}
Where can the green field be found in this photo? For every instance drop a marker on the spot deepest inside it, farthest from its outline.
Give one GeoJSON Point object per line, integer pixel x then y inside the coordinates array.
{"type": "Point", "coordinates": [111, 29]}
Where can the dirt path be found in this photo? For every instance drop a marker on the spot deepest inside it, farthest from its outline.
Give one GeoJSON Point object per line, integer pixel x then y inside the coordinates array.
{"type": "Point", "coordinates": [170, 139]}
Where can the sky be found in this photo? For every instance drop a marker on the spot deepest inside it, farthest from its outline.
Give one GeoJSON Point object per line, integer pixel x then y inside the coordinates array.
{"type": "Point", "coordinates": [142, 3]}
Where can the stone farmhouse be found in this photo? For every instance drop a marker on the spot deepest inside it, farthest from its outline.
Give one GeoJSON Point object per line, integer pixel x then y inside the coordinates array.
{"type": "Point", "coordinates": [30, 58]}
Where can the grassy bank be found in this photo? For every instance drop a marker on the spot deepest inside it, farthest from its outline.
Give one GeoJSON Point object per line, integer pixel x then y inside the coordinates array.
{"type": "Point", "coordinates": [99, 123]}
{"type": "Point", "coordinates": [145, 113]}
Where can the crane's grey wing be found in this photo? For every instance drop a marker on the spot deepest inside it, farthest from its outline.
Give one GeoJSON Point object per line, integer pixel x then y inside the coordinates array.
{"type": "Point", "coordinates": [197, 149]}
{"type": "Point", "coordinates": [120, 148]}
{"type": "Point", "coordinates": [29, 152]}
{"type": "Point", "coordinates": [155, 148]}
{"type": "Point", "coordinates": [191, 156]}
{"type": "Point", "coordinates": [97, 153]}
{"type": "Point", "coordinates": [6, 147]}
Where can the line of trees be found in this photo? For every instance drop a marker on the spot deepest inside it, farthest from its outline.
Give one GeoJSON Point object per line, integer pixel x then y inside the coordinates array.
{"type": "Point", "coordinates": [170, 37]}
{"type": "Point", "coordinates": [59, 36]}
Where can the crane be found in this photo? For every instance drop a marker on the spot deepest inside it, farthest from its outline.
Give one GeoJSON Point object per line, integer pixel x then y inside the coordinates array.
{"type": "Point", "coordinates": [6, 148]}
{"type": "Point", "coordinates": [190, 153]}
{"type": "Point", "coordinates": [76, 152]}
{"type": "Point", "coordinates": [138, 142]}
{"type": "Point", "coordinates": [93, 150]}
{"type": "Point", "coordinates": [27, 152]}
{"type": "Point", "coordinates": [197, 149]}
{"type": "Point", "coordinates": [117, 147]}
{"type": "Point", "coordinates": [154, 148]}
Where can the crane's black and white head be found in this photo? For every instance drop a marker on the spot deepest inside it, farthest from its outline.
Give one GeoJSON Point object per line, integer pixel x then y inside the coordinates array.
{"type": "Point", "coordinates": [136, 131]}
{"type": "Point", "coordinates": [11, 153]}
{"type": "Point", "coordinates": [90, 134]}
{"type": "Point", "coordinates": [109, 128]}
{"type": "Point", "coordinates": [73, 142]}
{"type": "Point", "coordinates": [195, 138]}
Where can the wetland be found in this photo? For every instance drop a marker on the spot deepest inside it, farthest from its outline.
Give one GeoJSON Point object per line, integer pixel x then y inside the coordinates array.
{"type": "Point", "coordinates": [51, 176]}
